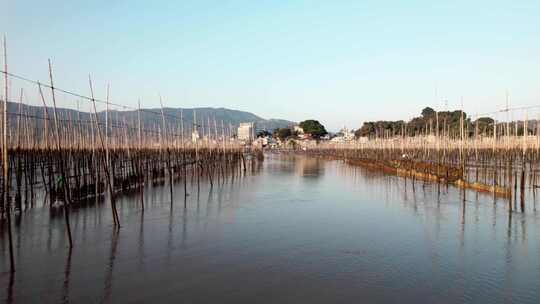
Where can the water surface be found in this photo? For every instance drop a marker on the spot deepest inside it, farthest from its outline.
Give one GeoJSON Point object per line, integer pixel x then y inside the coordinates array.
{"type": "Point", "coordinates": [297, 230]}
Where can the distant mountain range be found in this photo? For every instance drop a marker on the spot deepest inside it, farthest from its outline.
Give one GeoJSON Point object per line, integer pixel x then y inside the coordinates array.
{"type": "Point", "coordinates": [233, 117]}
{"type": "Point", "coordinates": [152, 117]}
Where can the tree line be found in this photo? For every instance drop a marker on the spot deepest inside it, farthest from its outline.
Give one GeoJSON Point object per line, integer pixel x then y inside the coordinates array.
{"type": "Point", "coordinates": [449, 123]}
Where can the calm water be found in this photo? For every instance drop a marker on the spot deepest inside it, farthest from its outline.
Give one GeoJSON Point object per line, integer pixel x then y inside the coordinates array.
{"type": "Point", "coordinates": [299, 230]}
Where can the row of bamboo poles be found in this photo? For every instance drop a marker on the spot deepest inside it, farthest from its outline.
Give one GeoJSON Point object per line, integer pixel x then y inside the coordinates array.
{"type": "Point", "coordinates": [504, 162]}
{"type": "Point", "coordinates": [74, 161]}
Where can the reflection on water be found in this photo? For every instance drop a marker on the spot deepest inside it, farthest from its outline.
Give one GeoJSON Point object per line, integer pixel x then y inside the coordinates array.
{"type": "Point", "coordinates": [296, 230]}
{"type": "Point", "coordinates": [309, 167]}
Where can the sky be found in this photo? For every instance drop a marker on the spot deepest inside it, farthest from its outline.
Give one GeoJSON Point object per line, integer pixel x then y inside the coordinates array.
{"type": "Point", "coordinates": [340, 62]}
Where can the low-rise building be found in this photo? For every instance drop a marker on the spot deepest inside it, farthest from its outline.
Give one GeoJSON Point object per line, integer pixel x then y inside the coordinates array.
{"type": "Point", "coordinates": [344, 135]}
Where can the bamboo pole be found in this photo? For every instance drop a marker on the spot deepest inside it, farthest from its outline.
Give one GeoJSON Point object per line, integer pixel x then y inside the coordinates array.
{"type": "Point", "coordinates": [196, 127]}
{"type": "Point", "coordinates": [141, 178]}
{"type": "Point", "coordinates": [5, 159]}
{"type": "Point", "coordinates": [184, 164]}
{"type": "Point", "coordinates": [106, 137]}
{"type": "Point", "coordinates": [168, 151]}
{"type": "Point", "coordinates": [116, 218]}
{"type": "Point", "coordinates": [64, 176]}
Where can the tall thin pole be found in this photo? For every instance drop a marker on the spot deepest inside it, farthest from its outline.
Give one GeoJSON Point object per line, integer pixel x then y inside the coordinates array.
{"type": "Point", "coordinates": [106, 135]}
{"type": "Point", "coordinates": [168, 151]}
{"type": "Point", "coordinates": [67, 202]}
{"type": "Point", "coordinates": [139, 119]}
{"type": "Point", "coordinates": [46, 116]}
{"type": "Point", "coordinates": [196, 147]}
{"type": "Point", "coordinates": [79, 131]}
{"type": "Point", "coordinates": [19, 120]}
{"type": "Point", "coordinates": [96, 161]}
{"type": "Point", "coordinates": [184, 164]}
{"type": "Point", "coordinates": [141, 177]}
{"type": "Point", "coordinates": [116, 218]}
{"type": "Point", "coordinates": [525, 133]}
{"type": "Point", "coordinates": [461, 132]}
{"type": "Point", "coordinates": [507, 118]}
{"type": "Point", "coordinates": [5, 160]}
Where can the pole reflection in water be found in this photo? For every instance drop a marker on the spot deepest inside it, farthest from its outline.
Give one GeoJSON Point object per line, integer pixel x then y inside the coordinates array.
{"type": "Point", "coordinates": [67, 271]}
{"type": "Point", "coordinates": [293, 229]}
{"type": "Point", "coordinates": [107, 290]}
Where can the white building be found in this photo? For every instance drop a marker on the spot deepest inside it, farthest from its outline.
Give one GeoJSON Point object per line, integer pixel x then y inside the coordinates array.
{"type": "Point", "coordinates": [347, 134]}
{"type": "Point", "coordinates": [344, 135]}
{"type": "Point", "coordinates": [246, 130]}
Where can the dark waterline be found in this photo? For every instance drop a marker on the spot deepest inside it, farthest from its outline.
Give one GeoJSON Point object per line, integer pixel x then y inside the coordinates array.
{"type": "Point", "coordinates": [300, 230]}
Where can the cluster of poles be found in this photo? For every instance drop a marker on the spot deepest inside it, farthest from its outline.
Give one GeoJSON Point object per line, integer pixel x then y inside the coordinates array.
{"type": "Point", "coordinates": [81, 159]}
{"type": "Point", "coordinates": [503, 162]}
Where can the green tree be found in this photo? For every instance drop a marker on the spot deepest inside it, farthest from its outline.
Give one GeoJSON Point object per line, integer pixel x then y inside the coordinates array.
{"type": "Point", "coordinates": [448, 121]}
{"type": "Point", "coordinates": [485, 125]}
{"type": "Point", "coordinates": [282, 133]}
{"type": "Point", "coordinates": [381, 128]}
{"type": "Point", "coordinates": [313, 127]}
{"type": "Point", "coordinates": [428, 112]}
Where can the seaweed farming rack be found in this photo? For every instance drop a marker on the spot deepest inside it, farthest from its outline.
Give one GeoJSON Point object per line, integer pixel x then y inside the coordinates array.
{"type": "Point", "coordinates": [505, 162]}
{"type": "Point", "coordinates": [76, 156]}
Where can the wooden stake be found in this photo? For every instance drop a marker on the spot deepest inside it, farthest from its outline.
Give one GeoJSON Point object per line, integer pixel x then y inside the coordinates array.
{"type": "Point", "coordinates": [67, 200]}
{"type": "Point", "coordinates": [116, 219]}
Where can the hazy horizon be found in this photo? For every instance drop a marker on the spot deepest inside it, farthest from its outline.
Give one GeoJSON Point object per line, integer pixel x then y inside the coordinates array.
{"type": "Point", "coordinates": [340, 63]}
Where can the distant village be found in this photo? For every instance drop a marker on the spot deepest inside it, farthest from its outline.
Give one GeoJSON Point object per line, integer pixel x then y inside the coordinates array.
{"type": "Point", "coordinates": [311, 132]}
{"type": "Point", "coordinates": [298, 136]}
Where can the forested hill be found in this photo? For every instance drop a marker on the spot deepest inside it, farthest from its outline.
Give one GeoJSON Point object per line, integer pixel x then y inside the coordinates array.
{"type": "Point", "coordinates": [152, 117]}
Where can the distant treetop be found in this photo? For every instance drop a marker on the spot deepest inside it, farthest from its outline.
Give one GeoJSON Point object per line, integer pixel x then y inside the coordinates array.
{"type": "Point", "coordinates": [428, 112]}
{"type": "Point", "coordinates": [313, 127]}
{"type": "Point", "coordinates": [282, 133]}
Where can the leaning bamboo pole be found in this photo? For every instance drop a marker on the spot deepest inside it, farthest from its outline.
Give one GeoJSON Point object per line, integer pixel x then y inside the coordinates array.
{"type": "Point", "coordinates": [116, 218]}
{"type": "Point", "coordinates": [64, 174]}
{"type": "Point", "coordinates": [5, 159]}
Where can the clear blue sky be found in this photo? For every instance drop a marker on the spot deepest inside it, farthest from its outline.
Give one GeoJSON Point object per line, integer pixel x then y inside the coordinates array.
{"type": "Point", "coordinates": [342, 62]}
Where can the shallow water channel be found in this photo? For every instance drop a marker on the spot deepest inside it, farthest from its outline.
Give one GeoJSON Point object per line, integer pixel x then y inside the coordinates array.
{"type": "Point", "coordinates": [295, 230]}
